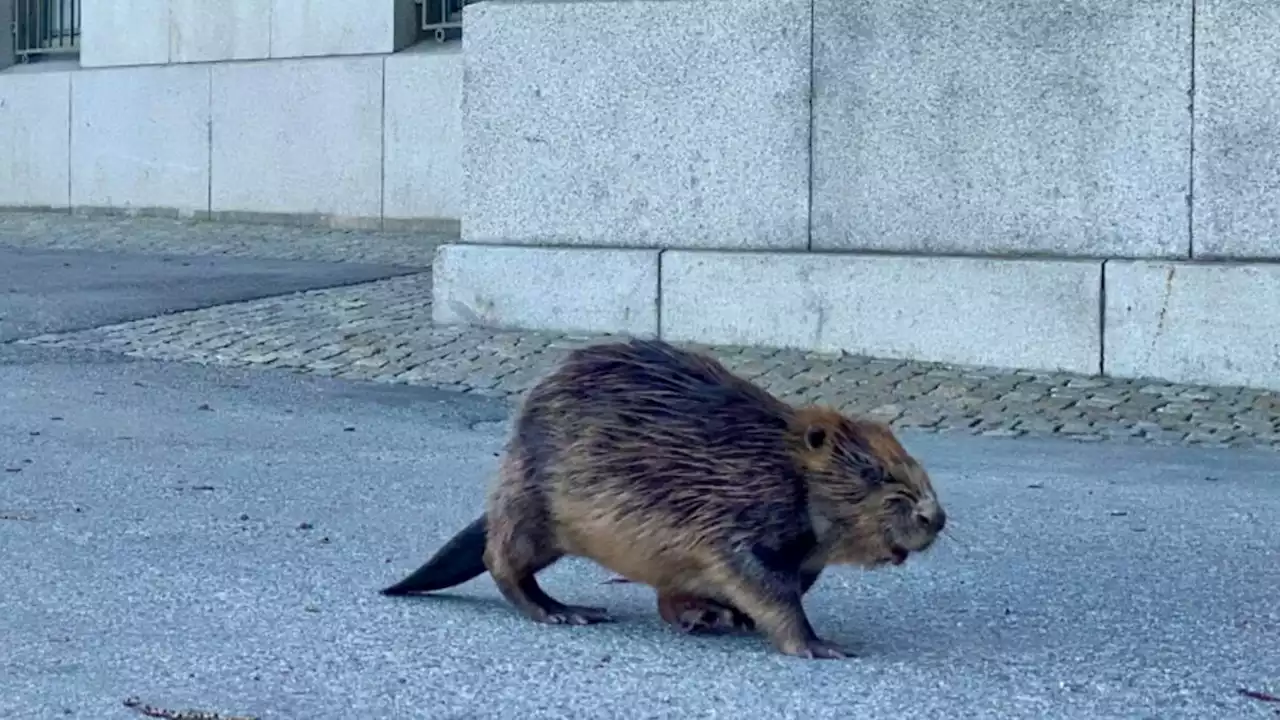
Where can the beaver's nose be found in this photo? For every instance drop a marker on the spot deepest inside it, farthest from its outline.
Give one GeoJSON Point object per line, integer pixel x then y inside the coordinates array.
{"type": "Point", "coordinates": [933, 517]}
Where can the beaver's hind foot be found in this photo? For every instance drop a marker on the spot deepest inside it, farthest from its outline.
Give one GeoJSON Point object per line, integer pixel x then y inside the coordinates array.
{"type": "Point", "coordinates": [576, 615]}
{"type": "Point", "coordinates": [817, 649]}
{"type": "Point", "coordinates": [700, 616]}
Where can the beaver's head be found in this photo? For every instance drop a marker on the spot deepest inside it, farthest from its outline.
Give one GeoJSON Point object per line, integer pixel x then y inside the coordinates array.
{"type": "Point", "coordinates": [872, 503]}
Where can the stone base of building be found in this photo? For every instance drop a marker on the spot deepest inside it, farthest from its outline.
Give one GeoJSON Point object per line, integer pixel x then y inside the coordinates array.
{"type": "Point", "coordinates": [359, 141]}
{"type": "Point", "coordinates": [1185, 322]}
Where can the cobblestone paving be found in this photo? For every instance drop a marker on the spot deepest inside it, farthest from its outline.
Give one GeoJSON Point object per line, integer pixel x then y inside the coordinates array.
{"type": "Point", "coordinates": [382, 331]}
{"type": "Point", "coordinates": [160, 236]}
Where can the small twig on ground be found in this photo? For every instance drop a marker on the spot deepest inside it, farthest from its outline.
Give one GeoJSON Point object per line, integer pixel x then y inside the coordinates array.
{"type": "Point", "coordinates": [1259, 695]}
{"type": "Point", "coordinates": [155, 712]}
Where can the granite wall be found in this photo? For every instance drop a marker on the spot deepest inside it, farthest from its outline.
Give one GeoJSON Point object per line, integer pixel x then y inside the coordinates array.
{"type": "Point", "coordinates": [1090, 186]}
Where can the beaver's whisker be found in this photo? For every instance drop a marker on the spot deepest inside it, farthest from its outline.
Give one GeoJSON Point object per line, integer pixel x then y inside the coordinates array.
{"type": "Point", "coordinates": [951, 535]}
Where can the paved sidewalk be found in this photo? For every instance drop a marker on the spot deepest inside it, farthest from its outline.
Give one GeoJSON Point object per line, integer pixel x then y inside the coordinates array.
{"type": "Point", "coordinates": [160, 236]}
{"type": "Point", "coordinates": [382, 331]}
{"type": "Point", "coordinates": [216, 540]}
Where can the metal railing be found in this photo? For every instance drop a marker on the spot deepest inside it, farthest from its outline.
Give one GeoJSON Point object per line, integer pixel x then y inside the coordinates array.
{"type": "Point", "coordinates": [45, 27]}
{"type": "Point", "coordinates": [443, 18]}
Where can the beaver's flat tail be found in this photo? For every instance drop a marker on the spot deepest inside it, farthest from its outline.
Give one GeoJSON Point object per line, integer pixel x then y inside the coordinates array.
{"type": "Point", "coordinates": [461, 559]}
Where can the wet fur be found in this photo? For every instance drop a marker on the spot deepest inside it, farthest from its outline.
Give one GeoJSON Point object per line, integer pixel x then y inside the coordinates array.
{"type": "Point", "coordinates": [666, 468]}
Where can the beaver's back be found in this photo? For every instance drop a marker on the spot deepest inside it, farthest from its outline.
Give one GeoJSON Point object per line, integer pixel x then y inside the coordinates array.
{"type": "Point", "coordinates": [642, 434]}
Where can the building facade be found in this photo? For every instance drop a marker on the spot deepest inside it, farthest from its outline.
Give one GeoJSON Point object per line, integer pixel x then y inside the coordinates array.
{"type": "Point", "coordinates": [346, 112]}
{"type": "Point", "coordinates": [1091, 187]}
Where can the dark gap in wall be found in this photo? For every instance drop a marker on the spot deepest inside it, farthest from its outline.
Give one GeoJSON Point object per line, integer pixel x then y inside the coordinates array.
{"type": "Point", "coordinates": [382, 150]}
{"type": "Point", "coordinates": [1102, 319]}
{"type": "Point", "coordinates": [71, 123]}
{"type": "Point", "coordinates": [662, 257]}
{"type": "Point", "coordinates": [809, 209]}
{"type": "Point", "coordinates": [208, 200]}
{"type": "Point", "coordinates": [1191, 159]}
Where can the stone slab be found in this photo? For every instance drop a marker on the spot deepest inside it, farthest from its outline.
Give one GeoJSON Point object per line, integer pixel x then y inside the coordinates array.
{"type": "Point", "coordinates": [640, 123]}
{"type": "Point", "coordinates": [422, 160]}
{"type": "Point", "coordinates": [1030, 314]}
{"type": "Point", "coordinates": [575, 290]}
{"type": "Point", "coordinates": [1002, 127]}
{"type": "Point", "coordinates": [1237, 158]}
{"type": "Point", "coordinates": [124, 32]}
{"type": "Point", "coordinates": [314, 149]}
{"type": "Point", "coordinates": [140, 138]}
{"type": "Point", "coordinates": [203, 31]}
{"type": "Point", "coordinates": [308, 28]}
{"type": "Point", "coordinates": [35, 112]}
{"type": "Point", "coordinates": [1189, 322]}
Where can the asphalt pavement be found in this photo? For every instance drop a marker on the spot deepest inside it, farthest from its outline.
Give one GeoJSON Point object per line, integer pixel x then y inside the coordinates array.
{"type": "Point", "coordinates": [44, 291]}
{"type": "Point", "coordinates": [214, 539]}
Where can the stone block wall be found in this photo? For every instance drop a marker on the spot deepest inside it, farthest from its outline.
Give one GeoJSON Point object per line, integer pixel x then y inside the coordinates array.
{"type": "Point", "coordinates": [35, 139]}
{"type": "Point", "coordinates": [315, 148]}
{"type": "Point", "coordinates": [1236, 202]}
{"type": "Point", "coordinates": [1194, 322]}
{"type": "Point", "coordinates": [157, 32]}
{"type": "Point", "coordinates": [1091, 187]}
{"type": "Point", "coordinates": [694, 136]}
{"type": "Point", "coordinates": [140, 138]}
{"type": "Point", "coordinates": [1002, 128]}
{"type": "Point", "coordinates": [285, 110]}
{"type": "Point", "coordinates": [949, 309]}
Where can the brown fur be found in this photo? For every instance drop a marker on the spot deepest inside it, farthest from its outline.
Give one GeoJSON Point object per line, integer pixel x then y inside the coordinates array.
{"type": "Point", "coordinates": [669, 470]}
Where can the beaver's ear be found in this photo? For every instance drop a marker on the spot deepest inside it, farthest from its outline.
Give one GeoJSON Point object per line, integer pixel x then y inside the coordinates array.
{"type": "Point", "coordinates": [815, 437]}
{"type": "Point", "coordinates": [816, 426]}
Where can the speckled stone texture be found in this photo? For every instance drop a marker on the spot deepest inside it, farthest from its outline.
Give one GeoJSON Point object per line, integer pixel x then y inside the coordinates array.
{"type": "Point", "coordinates": [35, 111]}
{"type": "Point", "coordinates": [1027, 314]}
{"type": "Point", "coordinates": [1002, 126]}
{"type": "Point", "coordinates": [557, 289]}
{"type": "Point", "coordinates": [1209, 323]}
{"type": "Point", "coordinates": [641, 123]}
{"type": "Point", "coordinates": [1237, 106]}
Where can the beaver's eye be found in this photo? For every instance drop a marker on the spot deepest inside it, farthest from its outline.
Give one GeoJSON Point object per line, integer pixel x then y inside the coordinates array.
{"type": "Point", "coordinates": [875, 476]}
{"type": "Point", "coordinates": [815, 437]}
{"type": "Point", "coordinates": [900, 504]}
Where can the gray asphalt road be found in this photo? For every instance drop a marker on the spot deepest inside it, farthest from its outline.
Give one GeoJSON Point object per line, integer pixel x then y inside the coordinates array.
{"type": "Point", "coordinates": [45, 291]}
{"type": "Point", "coordinates": [155, 547]}
{"type": "Point", "coordinates": [214, 539]}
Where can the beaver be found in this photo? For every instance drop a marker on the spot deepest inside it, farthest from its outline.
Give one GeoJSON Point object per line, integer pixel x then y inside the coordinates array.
{"type": "Point", "coordinates": [661, 465]}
